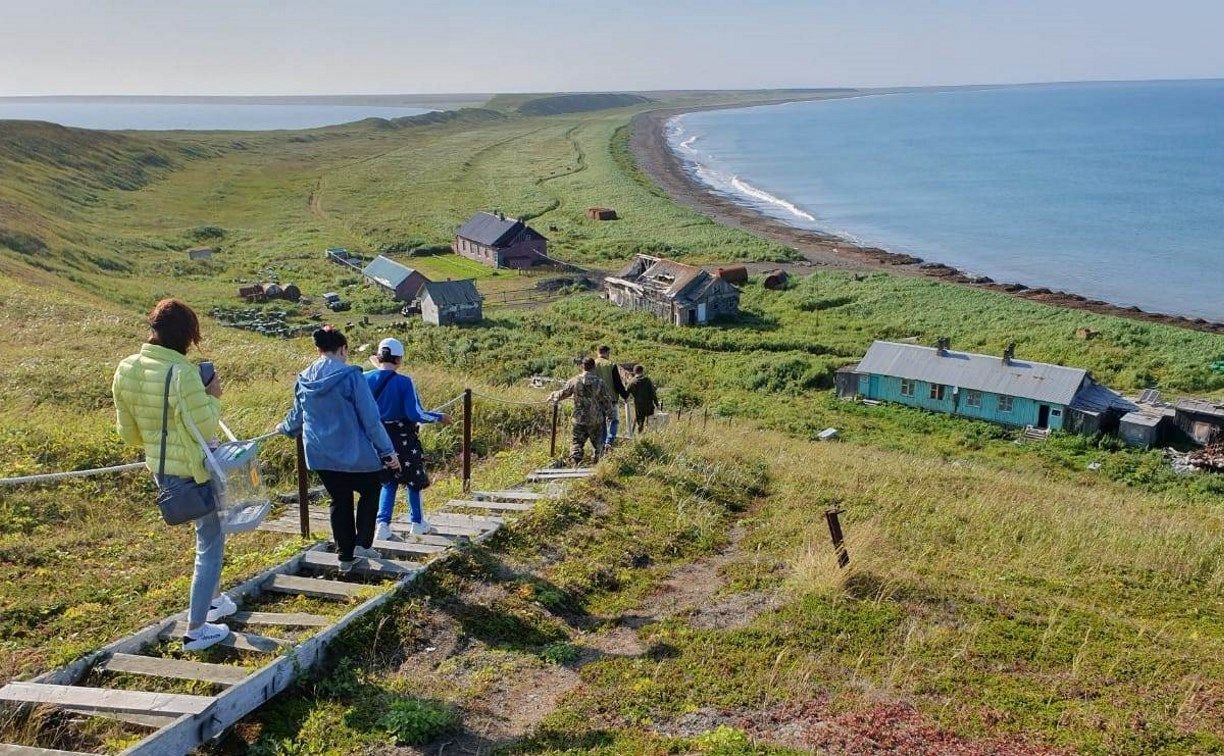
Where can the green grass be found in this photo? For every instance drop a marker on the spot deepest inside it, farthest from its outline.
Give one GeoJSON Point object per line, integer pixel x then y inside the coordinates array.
{"type": "Point", "coordinates": [1001, 590]}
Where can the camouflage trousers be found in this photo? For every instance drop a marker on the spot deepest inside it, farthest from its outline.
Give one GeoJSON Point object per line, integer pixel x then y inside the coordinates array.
{"type": "Point", "coordinates": [593, 432]}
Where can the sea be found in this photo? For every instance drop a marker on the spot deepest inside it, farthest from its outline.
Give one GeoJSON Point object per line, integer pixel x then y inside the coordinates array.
{"type": "Point", "coordinates": [195, 115]}
{"type": "Point", "coordinates": [1114, 191]}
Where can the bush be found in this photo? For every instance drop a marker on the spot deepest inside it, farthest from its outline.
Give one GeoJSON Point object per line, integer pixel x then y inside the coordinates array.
{"type": "Point", "coordinates": [204, 233]}
{"type": "Point", "coordinates": [413, 721]}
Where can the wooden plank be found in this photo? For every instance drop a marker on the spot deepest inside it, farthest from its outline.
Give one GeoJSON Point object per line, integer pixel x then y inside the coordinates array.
{"type": "Point", "coordinates": [363, 565]}
{"type": "Point", "coordinates": [405, 547]}
{"type": "Point", "coordinates": [280, 619]}
{"type": "Point", "coordinates": [104, 699]}
{"type": "Point", "coordinates": [315, 587]}
{"type": "Point", "coordinates": [507, 506]}
{"type": "Point", "coordinates": [510, 495]}
{"type": "Point", "coordinates": [152, 721]}
{"type": "Point", "coordinates": [174, 669]}
{"type": "Point", "coordinates": [445, 536]}
{"type": "Point", "coordinates": [465, 520]}
{"type": "Point", "coordinates": [564, 471]}
{"type": "Point", "coordinates": [237, 702]}
{"type": "Point", "coordinates": [7, 749]}
{"type": "Point", "coordinates": [236, 640]}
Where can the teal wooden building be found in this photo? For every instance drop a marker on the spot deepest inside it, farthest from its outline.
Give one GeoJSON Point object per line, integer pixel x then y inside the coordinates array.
{"type": "Point", "coordinates": [1002, 389]}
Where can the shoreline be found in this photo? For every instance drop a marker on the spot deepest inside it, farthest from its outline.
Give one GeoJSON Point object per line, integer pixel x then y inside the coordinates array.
{"type": "Point", "coordinates": [654, 157]}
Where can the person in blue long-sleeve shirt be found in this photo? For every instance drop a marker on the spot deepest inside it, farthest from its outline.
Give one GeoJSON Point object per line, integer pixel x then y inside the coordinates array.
{"type": "Point", "coordinates": [400, 408]}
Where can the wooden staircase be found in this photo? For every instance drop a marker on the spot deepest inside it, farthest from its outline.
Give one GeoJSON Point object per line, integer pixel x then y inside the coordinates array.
{"type": "Point", "coordinates": [270, 663]}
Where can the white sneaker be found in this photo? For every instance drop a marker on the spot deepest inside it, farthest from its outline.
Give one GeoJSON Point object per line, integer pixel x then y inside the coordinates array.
{"type": "Point", "coordinates": [204, 636]}
{"type": "Point", "coordinates": [346, 567]}
{"type": "Point", "coordinates": [222, 606]}
{"type": "Point", "coordinates": [359, 551]}
{"type": "Point", "coordinates": [422, 528]}
{"type": "Point", "coordinates": [383, 532]}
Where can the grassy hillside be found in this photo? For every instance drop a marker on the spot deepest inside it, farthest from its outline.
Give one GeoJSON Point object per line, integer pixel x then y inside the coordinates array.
{"type": "Point", "coordinates": [1002, 598]}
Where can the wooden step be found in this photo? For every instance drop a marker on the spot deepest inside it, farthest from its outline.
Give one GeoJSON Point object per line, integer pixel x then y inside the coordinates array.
{"type": "Point", "coordinates": [174, 669]}
{"type": "Point", "coordinates": [507, 506]}
{"type": "Point", "coordinates": [19, 750]}
{"type": "Point", "coordinates": [389, 567]}
{"type": "Point", "coordinates": [483, 522]}
{"type": "Point", "coordinates": [279, 619]}
{"type": "Point", "coordinates": [509, 495]}
{"type": "Point", "coordinates": [235, 640]}
{"type": "Point", "coordinates": [444, 537]}
{"type": "Point", "coordinates": [547, 472]}
{"type": "Point", "coordinates": [314, 587]}
{"type": "Point", "coordinates": [104, 699]}
{"type": "Point", "coordinates": [291, 527]}
{"type": "Point", "coordinates": [152, 721]}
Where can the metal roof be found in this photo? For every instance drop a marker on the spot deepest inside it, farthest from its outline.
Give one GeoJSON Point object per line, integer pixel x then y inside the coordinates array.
{"type": "Point", "coordinates": [494, 230]}
{"type": "Point", "coordinates": [1200, 407]}
{"type": "Point", "coordinates": [387, 272]}
{"type": "Point", "coordinates": [1038, 381]}
{"type": "Point", "coordinates": [445, 293]}
{"type": "Point", "coordinates": [1097, 398]}
{"type": "Point", "coordinates": [671, 279]}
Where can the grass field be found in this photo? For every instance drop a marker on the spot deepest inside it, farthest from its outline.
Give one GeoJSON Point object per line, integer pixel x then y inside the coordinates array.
{"type": "Point", "coordinates": [1002, 598]}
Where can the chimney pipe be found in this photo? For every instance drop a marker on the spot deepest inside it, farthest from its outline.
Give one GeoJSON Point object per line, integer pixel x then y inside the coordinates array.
{"type": "Point", "coordinates": [942, 345]}
{"type": "Point", "coordinates": [1009, 353]}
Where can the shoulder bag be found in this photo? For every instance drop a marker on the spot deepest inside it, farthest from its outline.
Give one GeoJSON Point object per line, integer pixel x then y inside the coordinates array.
{"type": "Point", "coordinates": [179, 503]}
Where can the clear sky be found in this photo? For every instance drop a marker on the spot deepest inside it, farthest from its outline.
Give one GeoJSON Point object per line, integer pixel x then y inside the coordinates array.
{"type": "Point", "coordinates": [236, 47]}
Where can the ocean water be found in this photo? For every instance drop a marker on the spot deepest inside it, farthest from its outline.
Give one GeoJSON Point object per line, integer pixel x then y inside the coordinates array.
{"type": "Point", "coordinates": [162, 116]}
{"type": "Point", "coordinates": [1112, 191]}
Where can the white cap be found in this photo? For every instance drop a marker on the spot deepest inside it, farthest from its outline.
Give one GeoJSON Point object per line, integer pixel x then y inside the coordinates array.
{"type": "Point", "coordinates": [393, 347]}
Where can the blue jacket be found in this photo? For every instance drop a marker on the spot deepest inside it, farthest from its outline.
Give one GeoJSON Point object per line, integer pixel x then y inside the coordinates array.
{"type": "Point", "coordinates": [399, 399]}
{"type": "Point", "coordinates": [337, 418]}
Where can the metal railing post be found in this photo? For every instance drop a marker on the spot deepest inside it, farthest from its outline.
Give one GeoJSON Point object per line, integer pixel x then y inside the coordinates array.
{"type": "Point", "coordinates": [552, 443]}
{"type": "Point", "coordinates": [835, 532]}
{"type": "Point", "coordinates": [467, 440]}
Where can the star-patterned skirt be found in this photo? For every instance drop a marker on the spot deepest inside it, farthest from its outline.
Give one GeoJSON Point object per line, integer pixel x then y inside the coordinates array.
{"type": "Point", "coordinates": [411, 456]}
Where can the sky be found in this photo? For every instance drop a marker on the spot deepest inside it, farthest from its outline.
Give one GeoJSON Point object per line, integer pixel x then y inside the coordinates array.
{"type": "Point", "coordinates": [298, 47]}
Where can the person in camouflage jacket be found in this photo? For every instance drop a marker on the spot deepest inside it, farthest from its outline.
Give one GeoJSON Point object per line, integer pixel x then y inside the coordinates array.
{"type": "Point", "coordinates": [592, 408]}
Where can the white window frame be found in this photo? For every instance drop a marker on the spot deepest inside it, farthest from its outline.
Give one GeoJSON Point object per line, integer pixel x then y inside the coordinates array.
{"type": "Point", "coordinates": [907, 387]}
{"type": "Point", "coordinates": [1006, 403]}
{"type": "Point", "coordinates": [973, 399]}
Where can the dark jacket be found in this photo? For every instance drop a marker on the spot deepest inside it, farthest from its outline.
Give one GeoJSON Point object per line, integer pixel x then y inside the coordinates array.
{"type": "Point", "coordinates": [645, 399]}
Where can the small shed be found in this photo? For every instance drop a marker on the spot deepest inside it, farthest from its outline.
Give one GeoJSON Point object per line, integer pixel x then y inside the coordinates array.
{"type": "Point", "coordinates": [448, 302]}
{"type": "Point", "coordinates": [734, 274]}
{"type": "Point", "coordinates": [601, 213]}
{"type": "Point", "coordinates": [1140, 429]}
{"type": "Point", "coordinates": [1202, 421]}
{"type": "Point", "coordinates": [253, 293]}
{"type": "Point", "coordinates": [776, 279]}
{"type": "Point", "coordinates": [400, 281]}
{"type": "Point", "coordinates": [846, 380]}
{"type": "Point", "coordinates": [201, 253]}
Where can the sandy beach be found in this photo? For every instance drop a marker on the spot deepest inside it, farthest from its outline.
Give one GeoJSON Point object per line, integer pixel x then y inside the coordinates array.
{"type": "Point", "coordinates": [654, 156]}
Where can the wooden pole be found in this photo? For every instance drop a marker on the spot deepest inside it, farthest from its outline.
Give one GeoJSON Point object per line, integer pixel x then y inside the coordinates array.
{"type": "Point", "coordinates": [303, 480]}
{"type": "Point", "coordinates": [467, 440]}
{"type": "Point", "coordinates": [835, 532]}
{"type": "Point", "coordinates": [552, 444]}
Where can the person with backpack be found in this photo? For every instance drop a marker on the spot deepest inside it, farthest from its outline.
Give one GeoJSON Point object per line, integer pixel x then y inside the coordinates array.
{"type": "Point", "coordinates": [157, 392]}
{"type": "Point", "coordinates": [592, 406]}
{"type": "Point", "coordinates": [401, 410]}
{"type": "Point", "coordinates": [346, 445]}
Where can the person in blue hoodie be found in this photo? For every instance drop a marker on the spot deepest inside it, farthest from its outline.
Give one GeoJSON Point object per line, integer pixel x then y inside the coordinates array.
{"type": "Point", "coordinates": [346, 445]}
{"type": "Point", "coordinates": [401, 410]}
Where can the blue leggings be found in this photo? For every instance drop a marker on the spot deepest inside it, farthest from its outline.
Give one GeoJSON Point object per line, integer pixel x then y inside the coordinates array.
{"type": "Point", "coordinates": [386, 503]}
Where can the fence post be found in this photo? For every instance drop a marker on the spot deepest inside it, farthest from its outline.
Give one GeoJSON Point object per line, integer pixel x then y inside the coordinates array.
{"type": "Point", "coordinates": [467, 440]}
{"type": "Point", "coordinates": [835, 532]}
{"type": "Point", "coordinates": [303, 481]}
{"type": "Point", "coordinates": [552, 444]}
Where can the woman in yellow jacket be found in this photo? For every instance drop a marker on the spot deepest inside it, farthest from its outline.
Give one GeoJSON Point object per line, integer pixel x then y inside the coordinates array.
{"type": "Point", "coordinates": [139, 391]}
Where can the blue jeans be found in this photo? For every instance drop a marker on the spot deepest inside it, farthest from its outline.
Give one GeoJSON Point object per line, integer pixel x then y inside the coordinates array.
{"type": "Point", "coordinates": [613, 425]}
{"type": "Point", "coordinates": [386, 503]}
{"type": "Point", "coordinates": [210, 549]}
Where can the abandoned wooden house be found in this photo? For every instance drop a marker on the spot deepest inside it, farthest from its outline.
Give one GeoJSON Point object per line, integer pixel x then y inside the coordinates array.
{"type": "Point", "coordinates": [201, 253]}
{"type": "Point", "coordinates": [501, 242]}
{"type": "Point", "coordinates": [1003, 389]}
{"type": "Point", "coordinates": [448, 302]}
{"type": "Point", "coordinates": [601, 213]}
{"type": "Point", "coordinates": [1202, 421]}
{"type": "Point", "coordinates": [401, 282]}
{"type": "Point", "coordinates": [678, 293]}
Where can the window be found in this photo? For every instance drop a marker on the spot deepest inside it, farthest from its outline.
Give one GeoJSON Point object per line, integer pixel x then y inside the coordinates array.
{"type": "Point", "coordinates": [973, 399]}
{"type": "Point", "coordinates": [907, 387]}
{"type": "Point", "coordinates": [1056, 413]}
{"type": "Point", "coordinates": [937, 391]}
{"type": "Point", "coordinates": [1005, 404]}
